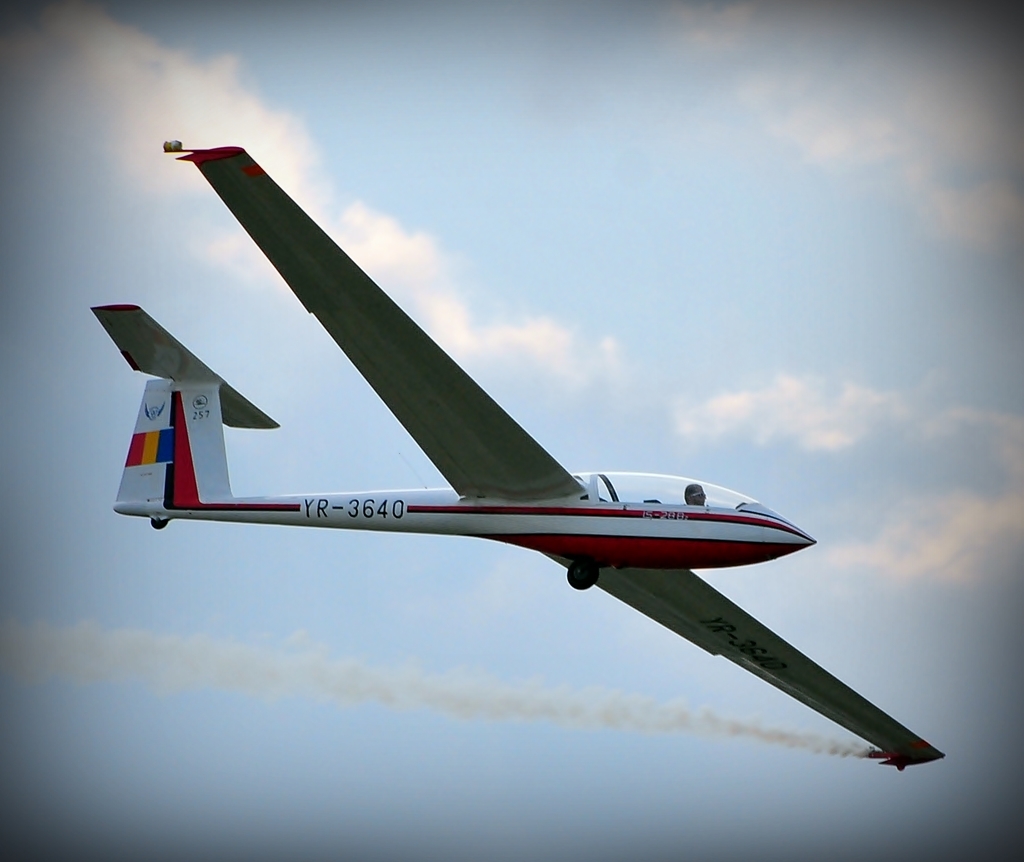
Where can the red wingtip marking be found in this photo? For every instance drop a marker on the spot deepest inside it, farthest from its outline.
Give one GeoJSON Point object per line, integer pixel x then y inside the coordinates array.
{"type": "Point", "coordinates": [253, 171]}
{"type": "Point", "coordinates": [211, 155]}
{"type": "Point", "coordinates": [130, 361]}
{"type": "Point", "coordinates": [116, 308]}
{"type": "Point", "coordinates": [920, 744]}
{"type": "Point", "coordinates": [900, 761]}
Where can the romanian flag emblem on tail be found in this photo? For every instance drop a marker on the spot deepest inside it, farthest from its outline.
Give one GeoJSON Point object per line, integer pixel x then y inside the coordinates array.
{"type": "Point", "coordinates": [151, 447]}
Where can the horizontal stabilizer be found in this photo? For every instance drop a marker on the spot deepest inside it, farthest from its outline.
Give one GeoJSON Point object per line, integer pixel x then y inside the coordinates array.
{"type": "Point", "coordinates": [150, 348]}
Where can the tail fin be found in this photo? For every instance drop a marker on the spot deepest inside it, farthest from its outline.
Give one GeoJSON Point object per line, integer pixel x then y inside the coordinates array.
{"type": "Point", "coordinates": [176, 459]}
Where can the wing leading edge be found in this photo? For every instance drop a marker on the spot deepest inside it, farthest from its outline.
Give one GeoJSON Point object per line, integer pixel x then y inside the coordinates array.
{"type": "Point", "coordinates": [475, 444]}
{"type": "Point", "coordinates": [692, 608]}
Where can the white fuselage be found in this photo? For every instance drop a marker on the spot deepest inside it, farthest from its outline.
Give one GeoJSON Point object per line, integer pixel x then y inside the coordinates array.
{"type": "Point", "coordinates": [620, 534]}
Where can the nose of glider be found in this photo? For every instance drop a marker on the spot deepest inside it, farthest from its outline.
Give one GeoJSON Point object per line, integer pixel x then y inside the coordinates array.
{"type": "Point", "coordinates": [801, 539]}
{"type": "Point", "coordinates": [795, 536]}
{"type": "Point", "coordinates": [807, 540]}
{"type": "Point", "coordinates": [798, 537]}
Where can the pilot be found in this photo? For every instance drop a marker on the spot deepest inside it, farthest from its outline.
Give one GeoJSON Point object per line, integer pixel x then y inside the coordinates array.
{"type": "Point", "coordinates": [694, 495]}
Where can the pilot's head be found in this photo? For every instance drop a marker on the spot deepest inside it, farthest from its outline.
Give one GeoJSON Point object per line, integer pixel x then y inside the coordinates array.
{"type": "Point", "coordinates": [694, 495]}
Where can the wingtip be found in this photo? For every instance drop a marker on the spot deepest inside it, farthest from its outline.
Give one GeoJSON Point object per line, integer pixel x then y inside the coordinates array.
{"type": "Point", "coordinates": [198, 156]}
{"type": "Point", "coordinates": [902, 761]}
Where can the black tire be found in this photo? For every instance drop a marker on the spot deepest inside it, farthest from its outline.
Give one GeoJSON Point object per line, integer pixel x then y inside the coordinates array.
{"type": "Point", "coordinates": [159, 523]}
{"type": "Point", "coordinates": [582, 574]}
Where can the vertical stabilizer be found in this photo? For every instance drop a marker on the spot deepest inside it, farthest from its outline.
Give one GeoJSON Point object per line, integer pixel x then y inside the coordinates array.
{"type": "Point", "coordinates": [176, 458]}
{"type": "Point", "coordinates": [199, 471]}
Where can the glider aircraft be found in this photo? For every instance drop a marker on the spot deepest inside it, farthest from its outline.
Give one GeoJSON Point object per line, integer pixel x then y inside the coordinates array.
{"type": "Point", "coordinates": [636, 536]}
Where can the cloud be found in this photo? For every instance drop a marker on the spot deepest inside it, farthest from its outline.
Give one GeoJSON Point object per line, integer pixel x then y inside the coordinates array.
{"type": "Point", "coordinates": [137, 93]}
{"type": "Point", "coordinates": [821, 125]}
{"type": "Point", "coordinates": [713, 26]}
{"type": "Point", "coordinates": [140, 93]}
{"type": "Point", "coordinates": [831, 130]}
{"type": "Point", "coordinates": [982, 215]}
{"type": "Point", "coordinates": [87, 654]}
{"type": "Point", "coordinates": [413, 267]}
{"type": "Point", "coordinates": [937, 121]}
{"type": "Point", "coordinates": [956, 535]}
{"type": "Point", "coordinates": [959, 536]}
{"type": "Point", "coordinates": [791, 408]}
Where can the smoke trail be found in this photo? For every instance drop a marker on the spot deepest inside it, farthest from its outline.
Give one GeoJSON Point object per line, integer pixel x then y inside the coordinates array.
{"type": "Point", "coordinates": [169, 663]}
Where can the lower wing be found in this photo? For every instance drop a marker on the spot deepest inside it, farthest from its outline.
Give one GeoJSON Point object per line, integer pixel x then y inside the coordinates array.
{"type": "Point", "coordinates": [690, 607]}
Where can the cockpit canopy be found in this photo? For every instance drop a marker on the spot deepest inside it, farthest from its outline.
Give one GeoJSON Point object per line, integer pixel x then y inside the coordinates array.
{"type": "Point", "coordinates": [667, 490]}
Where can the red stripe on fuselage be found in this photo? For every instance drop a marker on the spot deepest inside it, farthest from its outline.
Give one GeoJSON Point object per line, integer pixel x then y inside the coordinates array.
{"type": "Point", "coordinates": [581, 512]}
{"type": "Point", "coordinates": [652, 553]}
{"type": "Point", "coordinates": [527, 510]}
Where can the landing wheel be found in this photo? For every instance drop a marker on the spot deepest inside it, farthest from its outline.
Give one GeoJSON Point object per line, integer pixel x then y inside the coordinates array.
{"type": "Point", "coordinates": [582, 574]}
{"type": "Point", "coordinates": [158, 523]}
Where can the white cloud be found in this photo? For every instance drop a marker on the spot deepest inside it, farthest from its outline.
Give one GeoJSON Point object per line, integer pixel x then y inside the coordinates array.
{"type": "Point", "coordinates": [412, 266]}
{"type": "Point", "coordinates": [711, 25]}
{"type": "Point", "coordinates": [958, 536]}
{"type": "Point", "coordinates": [982, 215]}
{"type": "Point", "coordinates": [141, 93]}
{"type": "Point", "coordinates": [820, 124]}
{"type": "Point", "coordinates": [930, 121]}
{"type": "Point", "coordinates": [791, 408]}
{"type": "Point", "coordinates": [145, 92]}
{"type": "Point", "coordinates": [235, 252]}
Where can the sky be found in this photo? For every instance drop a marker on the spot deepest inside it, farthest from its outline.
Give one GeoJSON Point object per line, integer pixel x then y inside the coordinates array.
{"type": "Point", "coordinates": [776, 246]}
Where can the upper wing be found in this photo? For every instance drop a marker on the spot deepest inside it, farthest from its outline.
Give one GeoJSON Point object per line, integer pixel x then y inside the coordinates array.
{"type": "Point", "coordinates": [475, 444]}
{"type": "Point", "coordinates": [687, 605]}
